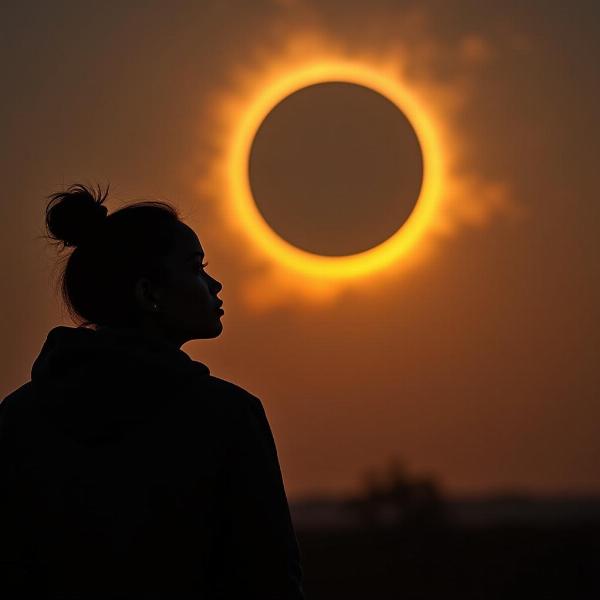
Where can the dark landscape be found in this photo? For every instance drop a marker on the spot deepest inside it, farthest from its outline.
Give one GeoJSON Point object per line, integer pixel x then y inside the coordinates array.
{"type": "Point", "coordinates": [407, 541]}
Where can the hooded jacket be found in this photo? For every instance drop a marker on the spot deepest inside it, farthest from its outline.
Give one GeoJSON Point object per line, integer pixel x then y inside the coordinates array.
{"type": "Point", "coordinates": [128, 471]}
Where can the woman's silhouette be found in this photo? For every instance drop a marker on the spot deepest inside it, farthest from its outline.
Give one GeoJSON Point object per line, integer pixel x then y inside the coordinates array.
{"type": "Point", "coordinates": [126, 469]}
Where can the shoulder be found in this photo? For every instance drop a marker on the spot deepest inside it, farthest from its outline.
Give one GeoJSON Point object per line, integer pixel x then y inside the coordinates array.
{"type": "Point", "coordinates": [16, 398]}
{"type": "Point", "coordinates": [237, 413]}
{"type": "Point", "coordinates": [20, 392]}
{"type": "Point", "coordinates": [234, 397]}
{"type": "Point", "coordinates": [220, 397]}
{"type": "Point", "coordinates": [12, 406]}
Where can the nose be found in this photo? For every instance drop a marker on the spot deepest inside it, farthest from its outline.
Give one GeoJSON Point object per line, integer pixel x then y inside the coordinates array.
{"type": "Point", "coordinates": [217, 285]}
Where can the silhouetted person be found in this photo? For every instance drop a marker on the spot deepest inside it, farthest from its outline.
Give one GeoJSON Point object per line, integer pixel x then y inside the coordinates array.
{"type": "Point", "coordinates": [126, 469]}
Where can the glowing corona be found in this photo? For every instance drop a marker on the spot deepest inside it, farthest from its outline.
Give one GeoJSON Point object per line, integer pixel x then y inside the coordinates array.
{"type": "Point", "coordinates": [288, 255]}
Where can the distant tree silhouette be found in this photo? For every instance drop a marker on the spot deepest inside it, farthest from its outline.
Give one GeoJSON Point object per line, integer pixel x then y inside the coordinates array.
{"type": "Point", "coordinates": [390, 497]}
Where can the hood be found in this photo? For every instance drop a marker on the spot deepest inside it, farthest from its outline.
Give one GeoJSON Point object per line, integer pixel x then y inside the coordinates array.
{"type": "Point", "coordinates": [95, 385]}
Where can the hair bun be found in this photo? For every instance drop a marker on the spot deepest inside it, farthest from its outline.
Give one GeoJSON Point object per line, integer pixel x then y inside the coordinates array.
{"type": "Point", "coordinates": [75, 215]}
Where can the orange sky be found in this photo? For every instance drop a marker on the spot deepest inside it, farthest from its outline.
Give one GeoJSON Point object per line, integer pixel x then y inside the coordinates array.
{"type": "Point", "coordinates": [475, 363]}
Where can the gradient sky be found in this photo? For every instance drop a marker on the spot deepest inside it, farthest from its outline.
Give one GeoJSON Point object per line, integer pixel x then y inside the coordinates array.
{"type": "Point", "coordinates": [478, 366]}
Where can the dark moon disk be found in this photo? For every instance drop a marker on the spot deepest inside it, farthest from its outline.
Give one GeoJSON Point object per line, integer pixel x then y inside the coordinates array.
{"type": "Point", "coordinates": [335, 168]}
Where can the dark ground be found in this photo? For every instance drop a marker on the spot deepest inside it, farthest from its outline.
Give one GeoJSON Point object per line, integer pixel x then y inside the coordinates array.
{"type": "Point", "coordinates": [498, 562]}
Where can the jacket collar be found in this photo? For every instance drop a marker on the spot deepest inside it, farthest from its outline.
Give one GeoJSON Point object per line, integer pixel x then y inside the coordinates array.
{"type": "Point", "coordinates": [96, 383]}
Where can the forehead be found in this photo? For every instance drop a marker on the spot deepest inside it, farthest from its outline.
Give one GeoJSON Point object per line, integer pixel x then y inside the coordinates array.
{"type": "Point", "coordinates": [186, 243]}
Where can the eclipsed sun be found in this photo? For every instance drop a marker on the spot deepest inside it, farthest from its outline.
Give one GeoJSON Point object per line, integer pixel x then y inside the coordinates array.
{"type": "Point", "coordinates": [333, 267]}
{"type": "Point", "coordinates": [444, 202]}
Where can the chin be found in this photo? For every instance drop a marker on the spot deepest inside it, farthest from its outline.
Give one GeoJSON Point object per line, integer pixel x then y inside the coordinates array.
{"type": "Point", "coordinates": [205, 333]}
{"type": "Point", "coordinates": [213, 332]}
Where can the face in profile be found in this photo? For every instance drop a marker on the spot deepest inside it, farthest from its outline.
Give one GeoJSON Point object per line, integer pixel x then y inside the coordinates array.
{"type": "Point", "coordinates": [188, 306]}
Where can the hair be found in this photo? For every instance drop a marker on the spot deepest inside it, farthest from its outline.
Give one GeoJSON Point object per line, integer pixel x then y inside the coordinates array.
{"type": "Point", "coordinates": [110, 252]}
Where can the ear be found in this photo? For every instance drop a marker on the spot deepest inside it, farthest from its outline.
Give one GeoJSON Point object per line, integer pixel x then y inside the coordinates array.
{"type": "Point", "coordinates": [146, 296]}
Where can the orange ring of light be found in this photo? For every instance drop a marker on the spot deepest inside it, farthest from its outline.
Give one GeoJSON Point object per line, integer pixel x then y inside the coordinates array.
{"type": "Point", "coordinates": [280, 250]}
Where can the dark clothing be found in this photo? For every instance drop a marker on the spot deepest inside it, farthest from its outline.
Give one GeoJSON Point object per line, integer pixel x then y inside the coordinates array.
{"type": "Point", "coordinates": [128, 471]}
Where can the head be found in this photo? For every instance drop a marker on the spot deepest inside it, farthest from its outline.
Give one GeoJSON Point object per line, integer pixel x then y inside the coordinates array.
{"type": "Point", "coordinates": [139, 267]}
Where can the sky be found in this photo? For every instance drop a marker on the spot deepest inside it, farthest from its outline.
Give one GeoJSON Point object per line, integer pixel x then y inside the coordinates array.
{"type": "Point", "coordinates": [471, 356]}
